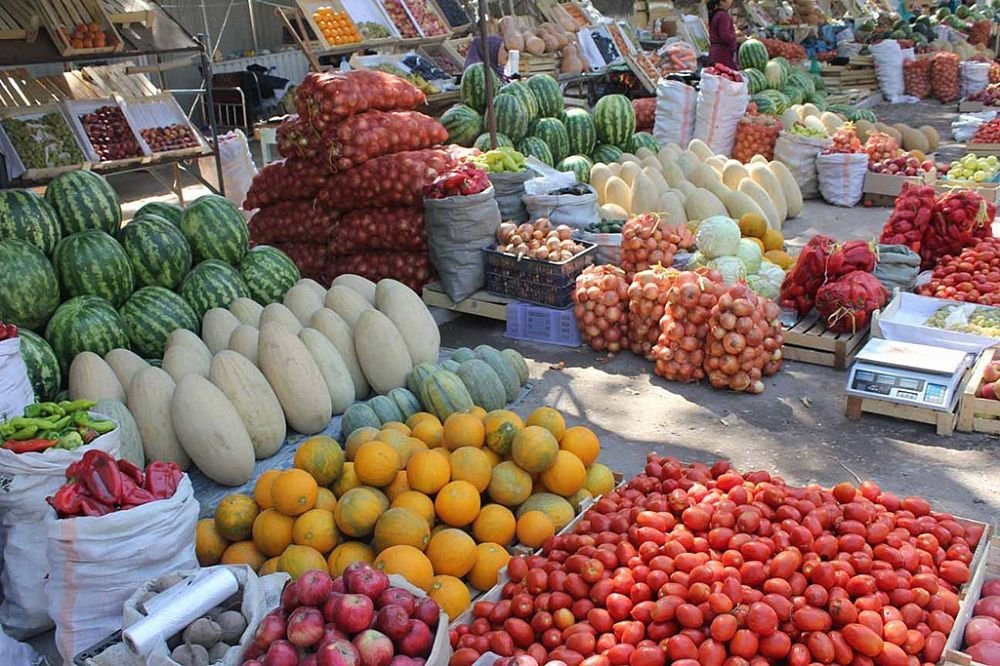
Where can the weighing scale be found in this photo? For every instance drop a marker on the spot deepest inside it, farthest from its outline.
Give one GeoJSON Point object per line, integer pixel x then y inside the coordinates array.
{"type": "Point", "coordinates": [908, 374]}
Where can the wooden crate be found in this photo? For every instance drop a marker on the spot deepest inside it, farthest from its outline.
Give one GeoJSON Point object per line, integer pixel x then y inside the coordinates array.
{"type": "Point", "coordinates": [45, 173]}
{"type": "Point", "coordinates": [362, 11]}
{"type": "Point", "coordinates": [308, 9]}
{"type": "Point", "coordinates": [809, 341]}
{"type": "Point", "coordinates": [529, 64]}
{"type": "Point", "coordinates": [19, 20]}
{"type": "Point", "coordinates": [978, 414]}
{"type": "Point", "coordinates": [431, 7]}
{"type": "Point", "coordinates": [944, 422]}
{"type": "Point", "coordinates": [459, 48]}
{"type": "Point", "coordinates": [61, 17]}
{"type": "Point", "coordinates": [158, 111]}
{"type": "Point", "coordinates": [127, 12]}
{"type": "Point", "coordinates": [481, 303]}
{"type": "Point", "coordinates": [988, 569]}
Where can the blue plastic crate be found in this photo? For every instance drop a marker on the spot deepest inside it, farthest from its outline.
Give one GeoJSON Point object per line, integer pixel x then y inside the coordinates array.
{"type": "Point", "coordinates": [537, 323]}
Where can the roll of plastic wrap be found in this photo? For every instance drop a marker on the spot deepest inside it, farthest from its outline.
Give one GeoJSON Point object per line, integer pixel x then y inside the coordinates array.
{"type": "Point", "coordinates": [196, 597]}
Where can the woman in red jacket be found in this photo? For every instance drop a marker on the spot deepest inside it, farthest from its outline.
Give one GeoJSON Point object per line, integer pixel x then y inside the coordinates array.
{"type": "Point", "coordinates": [721, 33]}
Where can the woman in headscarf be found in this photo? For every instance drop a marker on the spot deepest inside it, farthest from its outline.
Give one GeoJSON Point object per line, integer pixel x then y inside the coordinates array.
{"type": "Point", "coordinates": [498, 54]}
{"type": "Point", "coordinates": [721, 34]}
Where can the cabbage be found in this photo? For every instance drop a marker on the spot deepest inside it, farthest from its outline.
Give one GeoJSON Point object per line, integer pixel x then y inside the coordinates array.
{"type": "Point", "coordinates": [696, 260]}
{"type": "Point", "coordinates": [767, 282]}
{"type": "Point", "coordinates": [730, 268]}
{"type": "Point", "coordinates": [749, 253]}
{"type": "Point", "coordinates": [717, 236]}
{"type": "Point", "coordinates": [762, 287]}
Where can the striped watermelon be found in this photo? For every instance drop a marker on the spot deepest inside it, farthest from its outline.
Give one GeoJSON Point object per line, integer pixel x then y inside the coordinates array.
{"type": "Point", "coordinates": [511, 117]}
{"type": "Point", "coordinates": [552, 132]}
{"type": "Point", "coordinates": [473, 90]}
{"type": "Point", "coordinates": [548, 95]}
{"type": "Point", "coordinates": [168, 212]}
{"type": "Point", "coordinates": [483, 141]}
{"type": "Point", "coordinates": [463, 123]}
{"type": "Point", "coordinates": [29, 291]}
{"type": "Point", "coordinates": [615, 120]}
{"type": "Point", "coordinates": [606, 153]}
{"type": "Point", "coordinates": [579, 165]}
{"type": "Point", "coordinates": [83, 200]}
{"type": "Point", "coordinates": [643, 140]}
{"type": "Point", "coordinates": [212, 284]}
{"type": "Point", "coordinates": [753, 54]}
{"type": "Point", "coordinates": [268, 273]}
{"type": "Point", "coordinates": [581, 131]}
{"type": "Point", "coordinates": [794, 95]}
{"type": "Point", "coordinates": [26, 216]}
{"type": "Point", "coordinates": [535, 147]}
{"type": "Point", "coordinates": [151, 314]}
{"type": "Point", "coordinates": [775, 76]}
{"type": "Point", "coordinates": [93, 263]}
{"type": "Point", "coordinates": [85, 323]}
{"type": "Point", "coordinates": [215, 229]}
{"type": "Point", "coordinates": [801, 79]}
{"type": "Point", "coordinates": [755, 80]}
{"type": "Point", "coordinates": [524, 95]}
{"type": "Point", "coordinates": [42, 364]}
{"type": "Point", "coordinates": [157, 250]}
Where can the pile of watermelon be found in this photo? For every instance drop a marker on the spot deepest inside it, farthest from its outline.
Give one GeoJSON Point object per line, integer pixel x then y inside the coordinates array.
{"type": "Point", "coordinates": [531, 116]}
{"type": "Point", "coordinates": [775, 84]}
{"type": "Point", "coordinates": [73, 279]}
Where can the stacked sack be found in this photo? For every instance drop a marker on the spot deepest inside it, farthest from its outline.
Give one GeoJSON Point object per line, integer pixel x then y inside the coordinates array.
{"type": "Point", "coordinates": [347, 197]}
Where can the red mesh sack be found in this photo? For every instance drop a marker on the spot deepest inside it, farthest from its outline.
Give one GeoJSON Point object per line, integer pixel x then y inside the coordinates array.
{"type": "Point", "coordinates": [311, 258]}
{"type": "Point", "coordinates": [798, 291]}
{"type": "Point", "coordinates": [910, 217]}
{"type": "Point", "coordinates": [645, 113]}
{"type": "Point", "coordinates": [390, 180]}
{"type": "Point", "coordinates": [850, 256]}
{"type": "Point", "coordinates": [379, 229]}
{"type": "Point", "coordinates": [287, 180]}
{"type": "Point", "coordinates": [679, 352]}
{"type": "Point", "coordinates": [960, 218]}
{"type": "Point", "coordinates": [414, 269]}
{"type": "Point", "coordinates": [917, 77]}
{"type": "Point", "coordinates": [846, 304]}
{"type": "Point", "coordinates": [600, 306]}
{"type": "Point", "coordinates": [755, 135]}
{"type": "Point", "coordinates": [326, 99]}
{"type": "Point", "coordinates": [297, 221]}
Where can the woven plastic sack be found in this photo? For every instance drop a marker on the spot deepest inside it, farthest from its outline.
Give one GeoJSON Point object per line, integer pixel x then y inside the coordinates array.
{"type": "Point", "coordinates": [15, 387]}
{"type": "Point", "coordinates": [675, 112]}
{"type": "Point", "coordinates": [798, 153]}
{"type": "Point", "coordinates": [721, 104]}
{"type": "Point", "coordinates": [842, 177]}
{"type": "Point", "coordinates": [458, 228]}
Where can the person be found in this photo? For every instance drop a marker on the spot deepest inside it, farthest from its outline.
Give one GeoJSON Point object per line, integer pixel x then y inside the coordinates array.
{"type": "Point", "coordinates": [498, 54]}
{"type": "Point", "coordinates": [721, 34]}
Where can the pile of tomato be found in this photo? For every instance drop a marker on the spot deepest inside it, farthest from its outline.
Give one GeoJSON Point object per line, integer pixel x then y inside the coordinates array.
{"type": "Point", "coordinates": [705, 566]}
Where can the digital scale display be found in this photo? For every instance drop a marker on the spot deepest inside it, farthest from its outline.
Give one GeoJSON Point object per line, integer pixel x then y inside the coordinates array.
{"type": "Point", "coordinates": [897, 386]}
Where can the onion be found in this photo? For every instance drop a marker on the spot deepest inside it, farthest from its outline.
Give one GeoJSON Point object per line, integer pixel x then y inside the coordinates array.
{"type": "Point", "coordinates": [599, 292]}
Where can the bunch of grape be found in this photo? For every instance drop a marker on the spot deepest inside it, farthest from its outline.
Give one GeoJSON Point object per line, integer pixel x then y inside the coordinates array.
{"type": "Point", "coordinates": [43, 142]}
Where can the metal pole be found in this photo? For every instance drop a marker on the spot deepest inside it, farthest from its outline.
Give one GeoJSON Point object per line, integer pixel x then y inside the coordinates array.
{"type": "Point", "coordinates": [253, 26]}
{"type": "Point", "coordinates": [484, 41]}
{"type": "Point", "coordinates": [206, 68]}
{"type": "Point", "coordinates": [204, 19]}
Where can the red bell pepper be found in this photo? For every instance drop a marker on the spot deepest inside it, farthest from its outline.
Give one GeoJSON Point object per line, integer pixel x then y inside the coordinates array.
{"type": "Point", "coordinates": [132, 471]}
{"type": "Point", "coordinates": [134, 495]}
{"type": "Point", "coordinates": [99, 475]}
{"type": "Point", "coordinates": [162, 479]}
{"type": "Point", "coordinates": [28, 445]}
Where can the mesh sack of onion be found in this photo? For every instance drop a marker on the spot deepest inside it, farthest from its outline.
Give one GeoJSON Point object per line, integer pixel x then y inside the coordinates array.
{"type": "Point", "coordinates": [648, 240]}
{"type": "Point", "coordinates": [944, 76]}
{"type": "Point", "coordinates": [414, 269]}
{"type": "Point", "coordinates": [379, 229]}
{"type": "Point", "coordinates": [798, 291]}
{"type": "Point", "coordinates": [647, 298]}
{"type": "Point", "coordinates": [846, 304]}
{"type": "Point", "coordinates": [679, 352]}
{"type": "Point", "coordinates": [917, 77]}
{"type": "Point", "coordinates": [880, 146]}
{"type": "Point", "coordinates": [298, 221]}
{"type": "Point", "coordinates": [325, 99]}
{"type": "Point", "coordinates": [744, 339]}
{"type": "Point", "coordinates": [390, 180]}
{"type": "Point", "coordinates": [600, 306]}
{"type": "Point", "coordinates": [311, 258]}
{"type": "Point", "coordinates": [288, 180]}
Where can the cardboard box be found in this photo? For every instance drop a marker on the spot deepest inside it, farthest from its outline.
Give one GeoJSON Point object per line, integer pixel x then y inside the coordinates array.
{"type": "Point", "coordinates": [902, 320]}
{"type": "Point", "coordinates": [989, 191]}
{"type": "Point", "coordinates": [888, 184]}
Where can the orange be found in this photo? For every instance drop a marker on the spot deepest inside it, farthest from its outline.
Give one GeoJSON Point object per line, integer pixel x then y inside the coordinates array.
{"type": "Point", "coordinates": [398, 486]}
{"type": "Point", "coordinates": [348, 479]}
{"type": "Point", "coordinates": [418, 503]}
{"type": "Point", "coordinates": [348, 553]}
{"type": "Point", "coordinates": [427, 472]}
{"type": "Point", "coordinates": [294, 492]}
{"type": "Point", "coordinates": [317, 529]}
{"type": "Point", "coordinates": [451, 551]}
{"type": "Point", "coordinates": [322, 457]}
{"type": "Point", "coordinates": [477, 411]}
{"type": "Point", "coordinates": [444, 453]}
{"type": "Point", "coordinates": [272, 532]}
{"type": "Point", "coordinates": [463, 430]}
{"type": "Point", "coordinates": [296, 560]}
{"type": "Point", "coordinates": [534, 449]}
{"type": "Point", "coordinates": [243, 552]}
{"type": "Point", "coordinates": [581, 442]}
{"type": "Point", "coordinates": [269, 567]}
{"type": "Point", "coordinates": [357, 438]}
{"type": "Point", "coordinates": [235, 515]}
{"type": "Point", "coordinates": [490, 559]}
{"type": "Point", "coordinates": [357, 512]}
{"type": "Point", "coordinates": [473, 465]}
{"type": "Point", "coordinates": [396, 425]}
{"type": "Point", "coordinates": [325, 500]}
{"type": "Point", "coordinates": [401, 527]}
{"type": "Point", "coordinates": [566, 476]}
{"type": "Point", "coordinates": [420, 417]}
{"type": "Point", "coordinates": [408, 562]}
{"type": "Point", "coordinates": [501, 426]}
{"type": "Point", "coordinates": [262, 489]}
{"type": "Point", "coordinates": [457, 504]}
{"type": "Point", "coordinates": [209, 545]}
{"type": "Point", "coordinates": [429, 432]}
{"type": "Point", "coordinates": [376, 463]}
{"type": "Point", "coordinates": [451, 595]}
{"type": "Point", "coordinates": [549, 419]}
{"type": "Point", "coordinates": [533, 528]}
{"type": "Point", "coordinates": [494, 523]}
{"type": "Point", "coordinates": [600, 479]}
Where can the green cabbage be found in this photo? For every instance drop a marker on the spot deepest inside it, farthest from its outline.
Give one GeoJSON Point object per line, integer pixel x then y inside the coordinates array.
{"type": "Point", "coordinates": [717, 236]}
{"type": "Point", "coordinates": [767, 281]}
{"type": "Point", "coordinates": [730, 268]}
{"type": "Point", "coordinates": [749, 253]}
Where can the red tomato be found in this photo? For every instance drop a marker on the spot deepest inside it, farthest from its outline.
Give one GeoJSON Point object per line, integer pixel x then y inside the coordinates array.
{"type": "Point", "coordinates": [862, 639]}
{"type": "Point", "coordinates": [744, 644]}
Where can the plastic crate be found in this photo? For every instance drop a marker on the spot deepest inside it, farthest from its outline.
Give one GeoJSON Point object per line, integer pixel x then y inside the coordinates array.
{"type": "Point", "coordinates": [540, 282]}
{"type": "Point", "coordinates": [537, 323]}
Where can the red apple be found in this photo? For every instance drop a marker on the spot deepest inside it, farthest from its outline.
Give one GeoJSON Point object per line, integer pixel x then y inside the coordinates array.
{"type": "Point", "coordinates": [330, 606]}
{"type": "Point", "coordinates": [337, 652]}
{"type": "Point", "coordinates": [417, 641]}
{"type": "Point", "coordinates": [391, 621]}
{"type": "Point", "coordinates": [308, 661]}
{"type": "Point", "coordinates": [992, 372]}
{"type": "Point", "coordinates": [375, 648]}
{"type": "Point", "coordinates": [313, 587]}
{"type": "Point", "coordinates": [305, 626]}
{"type": "Point", "coordinates": [360, 578]}
{"type": "Point", "coordinates": [403, 660]}
{"type": "Point", "coordinates": [330, 632]}
{"type": "Point", "coordinates": [427, 611]}
{"type": "Point", "coordinates": [990, 391]}
{"type": "Point", "coordinates": [354, 613]}
{"type": "Point", "coordinates": [396, 596]}
{"type": "Point", "coordinates": [282, 653]}
{"type": "Point", "coordinates": [290, 597]}
{"type": "Point", "coordinates": [338, 585]}
{"type": "Point", "coordinates": [270, 629]}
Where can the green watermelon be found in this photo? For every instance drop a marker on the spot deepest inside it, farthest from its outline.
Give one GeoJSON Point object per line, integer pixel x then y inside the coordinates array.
{"type": "Point", "coordinates": [26, 216]}
{"type": "Point", "coordinates": [168, 212]}
{"type": "Point", "coordinates": [765, 104]}
{"type": "Point", "coordinates": [580, 130]}
{"type": "Point", "coordinates": [483, 141]}
{"type": "Point", "coordinates": [863, 114]}
{"type": "Point", "coordinates": [775, 76]}
{"type": "Point", "coordinates": [523, 95]}
{"type": "Point", "coordinates": [643, 140]}
{"type": "Point", "coordinates": [552, 132]}
{"type": "Point", "coordinates": [268, 273]}
{"type": "Point", "coordinates": [85, 323]}
{"type": "Point", "coordinates": [29, 290]}
{"type": "Point", "coordinates": [212, 284]}
{"type": "Point", "coordinates": [42, 364]}
{"type": "Point", "coordinates": [579, 165]}
{"type": "Point", "coordinates": [606, 153]}
{"type": "Point", "coordinates": [794, 95]}
{"type": "Point", "coordinates": [753, 54]}
{"type": "Point", "coordinates": [511, 116]}
{"type": "Point", "coordinates": [615, 120]}
{"type": "Point", "coordinates": [83, 200]}
{"type": "Point", "coordinates": [463, 123]}
{"type": "Point", "coordinates": [215, 229]}
{"type": "Point", "coordinates": [784, 64]}
{"type": "Point", "coordinates": [151, 314]}
{"type": "Point", "coordinates": [473, 91]}
{"type": "Point", "coordinates": [801, 79]}
{"type": "Point", "coordinates": [755, 80]}
{"type": "Point", "coordinates": [93, 263]}
{"type": "Point", "coordinates": [548, 95]}
{"type": "Point", "coordinates": [159, 253]}
{"type": "Point", "coordinates": [535, 147]}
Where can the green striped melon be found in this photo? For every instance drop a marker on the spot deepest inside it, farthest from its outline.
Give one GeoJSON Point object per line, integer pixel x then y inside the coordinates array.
{"type": "Point", "coordinates": [553, 133]}
{"type": "Point", "coordinates": [42, 365]}
{"type": "Point", "coordinates": [483, 384]}
{"type": "Point", "coordinates": [212, 284]}
{"type": "Point", "coordinates": [752, 53]}
{"type": "Point", "coordinates": [512, 117]}
{"type": "Point", "coordinates": [268, 273]}
{"type": "Point", "coordinates": [606, 153]}
{"type": "Point", "coordinates": [463, 123]}
{"type": "Point", "coordinates": [504, 370]}
{"type": "Point", "coordinates": [775, 76]}
{"type": "Point", "coordinates": [643, 140]}
{"type": "Point", "coordinates": [483, 141]}
{"type": "Point", "coordinates": [449, 365]}
{"type": "Point", "coordinates": [93, 263]}
{"type": "Point", "coordinates": [26, 216]}
{"type": "Point", "coordinates": [784, 64]}
{"type": "Point", "coordinates": [523, 95]}
{"type": "Point", "coordinates": [548, 95]}
{"type": "Point", "coordinates": [385, 409]}
{"type": "Point", "coordinates": [535, 147]}
{"type": "Point", "coordinates": [151, 314]}
{"type": "Point", "coordinates": [29, 290]}
{"type": "Point", "coordinates": [518, 363]}
{"type": "Point", "coordinates": [794, 95]}
{"type": "Point", "coordinates": [407, 403]}
{"type": "Point", "coordinates": [168, 212]}
{"type": "Point", "coordinates": [358, 415]}
{"type": "Point", "coordinates": [215, 229]}
{"type": "Point", "coordinates": [83, 200]}
{"type": "Point", "coordinates": [615, 120]}
{"type": "Point", "coordinates": [443, 394]}
{"type": "Point", "coordinates": [462, 354]}
{"type": "Point", "coordinates": [473, 89]}
{"type": "Point", "coordinates": [802, 79]}
{"type": "Point", "coordinates": [158, 252]}
{"type": "Point", "coordinates": [581, 131]}
{"type": "Point", "coordinates": [579, 165]}
{"type": "Point", "coordinates": [85, 323]}
{"type": "Point", "coordinates": [755, 80]}
{"type": "Point", "coordinates": [420, 372]}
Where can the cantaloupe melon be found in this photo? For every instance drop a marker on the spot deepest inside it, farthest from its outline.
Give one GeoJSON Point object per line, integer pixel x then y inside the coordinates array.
{"type": "Point", "coordinates": [217, 325]}
{"type": "Point", "coordinates": [381, 352]}
{"type": "Point", "coordinates": [303, 301]}
{"type": "Point", "coordinates": [254, 400]}
{"type": "Point", "coordinates": [761, 174]}
{"type": "Point", "coordinates": [347, 303]}
{"type": "Point", "coordinates": [247, 311]}
{"type": "Point", "coordinates": [295, 378]}
{"type": "Point", "coordinates": [700, 149]}
{"type": "Point", "coordinates": [278, 313]}
{"type": "Point", "coordinates": [149, 395]}
{"type": "Point", "coordinates": [364, 287]}
{"type": "Point", "coordinates": [793, 195]}
{"type": "Point", "coordinates": [335, 373]}
{"type": "Point", "coordinates": [330, 324]}
{"type": "Point", "coordinates": [761, 198]}
{"type": "Point", "coordinates": [244, 340]}
{"type": "Point", "coordinates": [702, 204]}
{"type": "Point", "coordinates": [617, 192]}
{"type": "Point", "coordinates": [125, 364]}
{"type": "Point", "coordinates": [91, 378]}
{"type": "Point", "coordinates": [734, 172]}
{"type": "Point", "coordinates": [412, 319]}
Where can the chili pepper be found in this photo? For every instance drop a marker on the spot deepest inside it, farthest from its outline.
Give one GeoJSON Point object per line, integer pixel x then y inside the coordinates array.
{"type": "Point", "coordinates": [162, 478]}
{"type": "Point", "coordinates": [80, 418]}
{"type": "Point", "coordinates": [102, 427]}
{"type": "Point", "coordinates": [61, 424]}
{"type": "Point", "coordinates": [24, 433]}
{"type": "Point", "coordinates": [134, 494]}
{"type": "Point", "coordinates": [100, 476]}
{"type": "Point", "coordinates": [69, 407]}
{"type": "Point", "coordinates": [68, 500]}
{"type": "Point", "coordinates": [28, 445]}
{"type": "Point", "coordinates": [71, 441]}
{"type": "Point", "coordinates": [43, 409]}
{"type": "Point", "coordinates": [131, 471]}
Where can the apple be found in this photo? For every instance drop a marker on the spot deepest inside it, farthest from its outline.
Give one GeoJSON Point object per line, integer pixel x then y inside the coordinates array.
{"type": "Point", "coordinates": [330, 606]}
{"type": "Point", "coordinates": [353, 613]}
{"type": "Point", "coordinates": [305, 626]}
{"type": "Point", "coordinates": [427, 611]}
{"type": "Point", "coordinates": [375, 648]}
{"type": "Point", "coordinates": [417, 641]}
{"type": "Point", "coordinates": [271, 628]}
{"type": "Point", "coordinates": [290, 597]}
{"type": "Point", "coordinates": [396, 596]}
{"type": "Point", "coordinates": [282, 653]}
{"type": "Point", "coordinates": [361, 578]}
{"type": "Point", "coordinates": [313, 587]}
{"type": "Point", "coordinates": [392, 621]}
{"type": "Point", "coordinates": [338, 652]}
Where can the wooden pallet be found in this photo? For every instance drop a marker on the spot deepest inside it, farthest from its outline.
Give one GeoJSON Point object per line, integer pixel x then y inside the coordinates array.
{"type": "Point", "coordinates": [115, 80]}
{"type": "Point", "coordinates": [481, 303]}
{"type": "Point", "coordinates": [60, 18]}
{"type": "Point", "coordinates": [127, 12]}
{"type": "Point", "coordinates": [978, 414]}
{"type": "Point", "coordinates": [18, 20]}
{"type": "Point", "coordinates": [808, 341]}
{"type": "Point", "coordinates": [19, 90]}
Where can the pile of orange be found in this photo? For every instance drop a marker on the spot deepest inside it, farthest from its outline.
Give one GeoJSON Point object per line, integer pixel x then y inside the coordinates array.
{"type": "Point", "coordinates": [336, 26]}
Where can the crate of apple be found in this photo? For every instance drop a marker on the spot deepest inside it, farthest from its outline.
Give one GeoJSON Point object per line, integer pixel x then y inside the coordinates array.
{"type": "Point", "coordinates": [427, 18]}
{"type": "Point", "coordinates": [976, 169]}
{"type": "Point", "coordinates": [903, 165]}
{"type": "Point", "coordinates": [172, 137]}
{"type": "Point", "coordinates": [110, 134]}
{"type": "Point", "coordinates": [358, 619]}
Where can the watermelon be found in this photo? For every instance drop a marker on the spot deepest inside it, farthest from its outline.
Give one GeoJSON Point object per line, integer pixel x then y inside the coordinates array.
{"type": "Point", "coordinates": [212, 284]}
{"type": "Point", "coordinates": [794, 95]}
{"type": "Point", "coordinates": [784, 64]}
{"type": "Point", "coordinates": [463, 123]}
{"type": "Point", "coordinates": [83, 200]}
{"type": "Point", "coordinates": [535, 147]}
{"type": "Point", "coordinates": [93, 263]}
{"type": "Point", "coordinates": [42, 364]}
{"type": "Point", "coordinates": [765, 104]}
{"type": "Point", "coordinates": [151, 314]}
{"type": "Point", "coordinates": [26, 216]}
{"type": "Point", "coordinates": [615, 120]}
{"type": "Point", "coordinates": [755, 80]}
{"type": "Point", "coordinates": [581, 131]}
{"type": "Point", "coordinates": [606, 153]}
{"type": "Point", "coordinates": [643, 140]}
{"type": "Point", "coordinates": [579, 165]}
{"type": "Point", "coordinates": [552, 132]}
{"type": "Point", "coordinates": [168, 212]}
{"type": "Point", "coordinates": [483, 141]}
{"type": "Point", "coordinates": [548, 95]}
{"type": "Point", "coordinates": [29, 290]}
{"type": "Point", "coordinates": [216, 229]}
{"type": "Point", "coordinates": [268, 273]}
{"type": "Point", "coordinates": [863, 114]}
{"type": "Point", "coordinates": [511, 116]}
{"type": "Point", "coordinates": [158, 252]}
{"type": "Point", "coordinates": [85, 323]}
{"type": "Point", "coordinates": [775, 76]}
{"type": "Point", "coordinates": [523, 95]}
{"type": "Point", "coordinates": [801, 79]}
{"type": "Point", "coordinates": [473, 91]}
{"type": "Point", "coordinates": [753, 54]}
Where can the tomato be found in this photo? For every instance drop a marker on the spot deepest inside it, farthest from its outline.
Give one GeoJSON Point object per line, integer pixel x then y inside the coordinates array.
{"type": "Point", "coordinates": [522, 606]}
{"type": "Point", "coordinates": [600, 590]}
{"type": "Point", "coordinates": [681, 647]}
{"type": "Point", "coordinates": [629, 632]}
{"type": "Point", "coordinates": [540, 654]}
{"type": "Point", "coordinates": [938, 620]}
{"type": "Point", "coordinates": [563, 618]}
{"type": "Point", "coordinates": [552, 638]}
{"type": "Point", "coordinates": [689, 615]}
{"type": "Point", "coordinates": [954, 571]}
{"type": "Point", "coordinates": [647, 656]}
{"type": "Point", "coordinates": [593, 660]}
{"type": "Point", "coordinates": [620, 654]}
{"type": "Point", "coordinates": [600, 619]}
{"type": "Point", "coordinates": [820, 647]}
{"type": "Point", "coordinates": [558, 601]}
{"type": "Point", "coordinates": [582, 642]}
{"type": "Point", "coordinates": [463, 657]}
{"type": "Point", "coordinates": [619, 606]}
{"type": "Point", "coordinates": [537, 580]}
{"type": "Point", "coordinates": [723, 627]}
{"type": "Point", "coordinates": [762, 619]}
{"type": "Point", "coordinates": [842, 652]}
{"type": "Point", "coordinates": [744, 644]}
{"type": "Point", "coordinates": [567, 656]}
{"type": "Point", "coordinates": [501, 643]}
{"type": "Point", "coordinates": [862, 639]}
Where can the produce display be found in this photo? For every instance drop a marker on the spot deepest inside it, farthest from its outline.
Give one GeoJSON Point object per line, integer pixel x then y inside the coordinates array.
{"type": "Point", "coordinates": [172, 137]}
{"type": "Point", "coordinates": [903, 165]}
{"type": "Point", "coordinates": [98, 484]}
{"type": "Point", "coordinates": [48, 425]}
{"type": "Point", "coordinates": [982, 633]}
{"type": "Point", "coordinates": [501, 160]}
{"type": "Point", "coordinates": [988, 132]}
{"type": "Point", "coordinates": [88, 36]}
{"type": "Point", "coordinates": [454, 12]}
{"type": "Point", "coordinates": [538, 240]}
{"type": "Point", "coordinates": [401, 19]}
{"type": "Point", "coordinates": [972, 275]}
{"type": "Point", "coordinates": [43, 142]}
{"type": "Point", "coordinates": [427, 18]}
{"type": "Point", "coordinates": [976, 320]}
{"type": "Point", "coordinates": [390, 180]}
{"type": "Point", "coordinates": [373, 30]}
{"type": "Point", "coordinates": [110, 134]}
{"type": "Point", "coordinates": [976, 169]}
{"type": "Point", "coordinates": [989, 96]}
{"type": "Point", "coordinates": [337, 27]}
{"type": "Point", "coordinates": [755, 135]}
{"type": "Point", "coordinates": [465, 179]}
{"type": "Point", "coordinates": [847, 302]}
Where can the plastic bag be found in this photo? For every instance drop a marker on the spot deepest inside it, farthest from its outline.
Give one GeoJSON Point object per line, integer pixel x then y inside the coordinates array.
{"type": "Point", "coordinates": [509, 188]}
{"type": "Point", "coordinates": [573, 210]}
{"type": "Point", "coordinates": [888, 59]}
{"type": "Point", "coordinates": [609, 247]}
{"type": "Point", "coordinates": [15, 386]}
{"type": "Point", "coordinates": [965, 126]}
{"type": "Point", "coordinates": [842, 177]}
{"type": "Point", "coordinates": [458, 228]}
{"type": "Point", "coordinates": [97, 563]}
{"type": "Point", "coordinates": [973, 77]}
{"type": "Point", "coordinates": [897, 267]}
{"type": "Point", "coordinates": [799, 153]}
{"type": "Point", "coordinates": [721, 104]}
{"type": "Point", "coordinates": [675, 112]}
{"type": "Point", "coordinates": [26, 479]}
{"type": "Point", "coordinates": [13, 652]}
{"type": "Point", "coordinates": [238, 169]}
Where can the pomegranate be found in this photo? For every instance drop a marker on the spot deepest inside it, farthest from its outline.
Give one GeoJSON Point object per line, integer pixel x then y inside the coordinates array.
{"type": "Point", "coordinates": [392, 621]}
{"type": "Point", "coordinates": [353, 613]}
{"type": "Point", "coordinates": [375, 648]}
{"type": "Point", "coordinates": [314, 587]}
{"type": "Point", "coordinates": [305, 626]}
{"type": "Point", "coordinates": [270, 629]}
{"type": "Point", "coordinates": [417, 641]}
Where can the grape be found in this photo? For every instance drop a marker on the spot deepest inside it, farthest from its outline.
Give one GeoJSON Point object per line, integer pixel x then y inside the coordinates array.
{"type": "Point", "coordinates": [43, 142]}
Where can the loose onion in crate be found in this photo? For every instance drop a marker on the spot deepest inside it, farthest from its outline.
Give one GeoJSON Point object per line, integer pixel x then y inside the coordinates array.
{"type": "Point", "coordinates": [601, 307]}
{"type": "Point", "coordinates": [538, 240]}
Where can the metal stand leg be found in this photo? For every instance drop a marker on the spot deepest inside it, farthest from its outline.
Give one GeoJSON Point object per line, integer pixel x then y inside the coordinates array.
{"type": "Point", "coordinates": [206, 67]}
